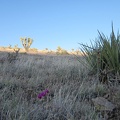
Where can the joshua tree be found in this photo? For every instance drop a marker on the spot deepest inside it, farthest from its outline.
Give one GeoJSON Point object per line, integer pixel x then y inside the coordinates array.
{"type": "Point", "coordinates": [26, 42]}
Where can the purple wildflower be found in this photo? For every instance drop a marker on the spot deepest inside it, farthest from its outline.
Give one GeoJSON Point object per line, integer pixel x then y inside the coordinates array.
{"type": "Point", "coordinates": [40, 95]}
{"type": "Point", "coordinates": [46, 91]}
{"type": "Point", "coordinates": [43, 93]}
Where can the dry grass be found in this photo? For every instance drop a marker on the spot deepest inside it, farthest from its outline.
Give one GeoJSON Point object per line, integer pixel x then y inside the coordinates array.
{"type": "Point", "coordinates": [70, 89]}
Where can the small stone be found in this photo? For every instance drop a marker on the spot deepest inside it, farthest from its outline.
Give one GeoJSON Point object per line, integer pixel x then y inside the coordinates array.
{"type": "Point", "coordinates": [103, 104]}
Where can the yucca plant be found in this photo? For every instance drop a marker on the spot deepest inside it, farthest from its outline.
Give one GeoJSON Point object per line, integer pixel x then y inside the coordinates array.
{"type": "Point", "coordinates": [104, 56]}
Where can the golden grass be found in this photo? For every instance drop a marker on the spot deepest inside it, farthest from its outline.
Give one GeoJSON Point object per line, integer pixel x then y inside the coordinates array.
{"type": "Point", "coordinates": [39, 52]}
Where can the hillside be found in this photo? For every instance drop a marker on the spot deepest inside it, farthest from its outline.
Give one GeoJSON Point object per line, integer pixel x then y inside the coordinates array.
{"type": "Point", "coordinates": [74, 94]}
{"type": "Point", "coordinates": [44, 52]}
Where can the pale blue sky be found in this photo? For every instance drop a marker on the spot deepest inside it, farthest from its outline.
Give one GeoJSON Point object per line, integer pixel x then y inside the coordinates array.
{"type": "Point", "coordinates": [53, 23]}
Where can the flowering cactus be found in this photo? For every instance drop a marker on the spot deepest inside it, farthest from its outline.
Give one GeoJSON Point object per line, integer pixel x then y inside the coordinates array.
{"type": "Point", "coordinates": [42, 94]}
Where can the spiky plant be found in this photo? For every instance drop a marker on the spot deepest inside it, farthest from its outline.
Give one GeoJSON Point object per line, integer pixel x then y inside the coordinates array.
{"type": "Point", "coordinates": [26, 42]}
{"type": "Point", "coordinates": [104, 56]}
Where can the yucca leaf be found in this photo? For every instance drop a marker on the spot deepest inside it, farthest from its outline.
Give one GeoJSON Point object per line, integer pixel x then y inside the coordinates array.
{"type": "Point", "coordinates": [104, 53]}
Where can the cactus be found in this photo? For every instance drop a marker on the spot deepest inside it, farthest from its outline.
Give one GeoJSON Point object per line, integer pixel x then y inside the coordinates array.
{"type": "Point", "coordinates": [26, 42]}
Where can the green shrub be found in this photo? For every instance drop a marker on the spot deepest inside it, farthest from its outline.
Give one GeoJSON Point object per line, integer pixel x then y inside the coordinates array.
{"type": "Point", "coordinates": [104, 56]}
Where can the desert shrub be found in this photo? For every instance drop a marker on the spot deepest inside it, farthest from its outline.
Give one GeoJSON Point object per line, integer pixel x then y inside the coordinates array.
{"type": "Point", "coordinates": [12, 57]}
{"type": "Point", "coordinates": [104, 56]}
{"type": "Point", "coordinates": [9, 58]}
{"type": "Point", "coordinates": [62, 52]}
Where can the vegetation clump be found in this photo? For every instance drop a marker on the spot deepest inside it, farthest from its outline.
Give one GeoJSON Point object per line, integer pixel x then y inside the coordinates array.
{"type": "Point", "coordinates": [13, 56]}
{"type": "Point", "coordinates": [26, 42]}
{"type": "Point", "coordinates": [104, 57]}
{"type": "Point", "coordinates": [61, 51]}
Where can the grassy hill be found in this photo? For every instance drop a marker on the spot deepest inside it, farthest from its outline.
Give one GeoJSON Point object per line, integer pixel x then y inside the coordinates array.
{"type": "Point", "coordinates": [71, 89]}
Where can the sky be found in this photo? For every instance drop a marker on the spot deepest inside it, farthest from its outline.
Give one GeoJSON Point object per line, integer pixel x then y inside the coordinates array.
{"type": "Point", "coordinates": [53, 23]}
